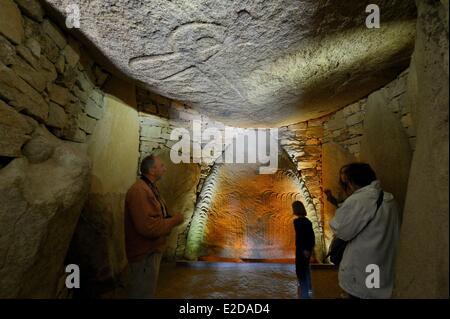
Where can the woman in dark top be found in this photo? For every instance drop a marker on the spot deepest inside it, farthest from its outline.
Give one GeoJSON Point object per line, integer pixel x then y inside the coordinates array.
{"type": "Point", "coordinates": [304, 245]}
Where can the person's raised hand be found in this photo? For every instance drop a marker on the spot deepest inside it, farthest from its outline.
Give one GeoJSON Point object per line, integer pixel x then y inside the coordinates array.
{"type": "Point", "coordinates": [330, 197]}
{"type": "Point", "coordinates": [178, 218]}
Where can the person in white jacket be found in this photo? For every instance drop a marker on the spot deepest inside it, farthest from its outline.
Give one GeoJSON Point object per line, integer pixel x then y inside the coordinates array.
{"type": "Point", "coordinates": [367, 267]}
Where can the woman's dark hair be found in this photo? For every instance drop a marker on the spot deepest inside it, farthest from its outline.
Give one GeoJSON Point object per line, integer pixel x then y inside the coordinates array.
{"type": "Point", "coordinates": [360, 174]}
{"type": "Point", "coordinates": [298, 208]}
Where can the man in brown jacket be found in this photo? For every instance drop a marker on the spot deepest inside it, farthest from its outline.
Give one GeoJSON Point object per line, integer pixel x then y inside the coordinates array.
{"type": "Point", "coordinates": [147, 225]}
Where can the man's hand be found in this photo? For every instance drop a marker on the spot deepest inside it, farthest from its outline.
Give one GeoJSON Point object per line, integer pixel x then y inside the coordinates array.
{"type": "Point", "coordinates": [306, 253]}
{"type": "Point", "coordinates": [330, 197]}
{"type": "Point", "coordinates": [178, 219]}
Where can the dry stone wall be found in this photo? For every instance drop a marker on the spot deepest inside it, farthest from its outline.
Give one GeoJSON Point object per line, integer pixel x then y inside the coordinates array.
{"type": "Point", "coordinates": [303, 142]}
{"type": "Point", "coordinates": [346, 126]}
{"type": "Point", "coordinates": [45, 76]}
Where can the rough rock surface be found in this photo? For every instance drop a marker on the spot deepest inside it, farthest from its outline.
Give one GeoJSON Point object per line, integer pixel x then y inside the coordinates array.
{"type": "Point", "coordinates": [11, 21]}
{"type": "Point", "coordinates": [422, 267]}
{"type": "Point", "coordinates": [256, 63]}
{"type": "Point", "coordinates": [41, 197]}
{"type": "Point", "coordinates": [14, 131]}
{"type": "Point", "coordinates": [21, 95]}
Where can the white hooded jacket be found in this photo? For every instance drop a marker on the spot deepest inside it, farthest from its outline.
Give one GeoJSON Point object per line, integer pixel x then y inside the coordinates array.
{"type": "Point", "coordinates": [375, 245]}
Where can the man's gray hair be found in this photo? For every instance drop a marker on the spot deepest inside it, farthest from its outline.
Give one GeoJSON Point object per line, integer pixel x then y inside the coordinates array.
{"type": "Point", "coordinates": [147, 163]}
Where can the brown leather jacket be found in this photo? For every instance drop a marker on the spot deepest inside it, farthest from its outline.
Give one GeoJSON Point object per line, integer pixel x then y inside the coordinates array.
{"type": "Point", "coordinates": [146, 229]}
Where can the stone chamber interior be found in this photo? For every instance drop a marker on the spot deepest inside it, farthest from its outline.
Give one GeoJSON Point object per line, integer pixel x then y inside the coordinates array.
{"type": "Point", "coordinates": [79, 108]}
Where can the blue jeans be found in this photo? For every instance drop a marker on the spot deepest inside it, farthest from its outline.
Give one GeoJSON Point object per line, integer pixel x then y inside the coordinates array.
{"type": "Point", "coordinates": [304, 281]}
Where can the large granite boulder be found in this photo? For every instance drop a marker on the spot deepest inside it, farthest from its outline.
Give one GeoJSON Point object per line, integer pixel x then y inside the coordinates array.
{"type": "Point", "coordinates": [422, 267]}
{"type": "Point", "coordinates": [41, 197]}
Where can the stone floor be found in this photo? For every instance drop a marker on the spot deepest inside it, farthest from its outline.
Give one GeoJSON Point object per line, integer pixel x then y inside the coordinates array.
{"type": "Point", "coordinates": [220, 280]}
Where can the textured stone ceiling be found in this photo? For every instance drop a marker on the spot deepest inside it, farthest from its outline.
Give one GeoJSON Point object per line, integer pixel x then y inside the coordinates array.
{"type": "Point", "coordinates": [252, 63]}
{"type": "Point", "coordinates": [250, 216]}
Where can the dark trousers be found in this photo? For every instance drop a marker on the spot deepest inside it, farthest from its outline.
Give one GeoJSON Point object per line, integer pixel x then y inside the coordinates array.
{"type": "Point", "coordinates": [143, 277]}
{"type": "Point", "coordinates": [303, 271]}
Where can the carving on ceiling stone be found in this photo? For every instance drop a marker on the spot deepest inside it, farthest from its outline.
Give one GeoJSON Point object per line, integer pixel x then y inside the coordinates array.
{"type": "Point", "coordinates": [258, 64]}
